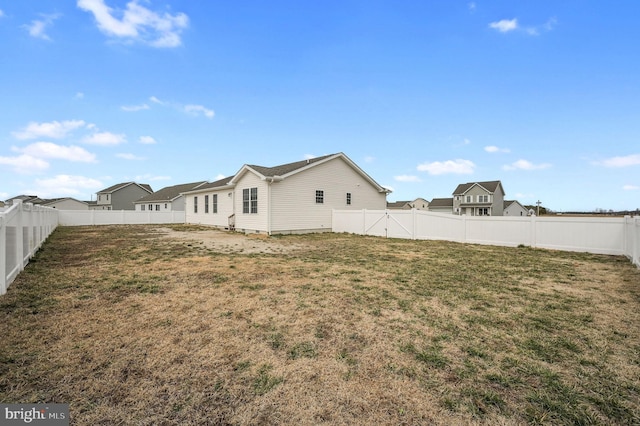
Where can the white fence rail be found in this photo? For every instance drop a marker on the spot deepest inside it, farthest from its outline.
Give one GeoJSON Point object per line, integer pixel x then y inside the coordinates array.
{"type": "Point", "coordinates": [23, 229]}
{"type": "Point", "coordinates": [603, 235]}
{"type": "Point", "coordinates": [118, 217]}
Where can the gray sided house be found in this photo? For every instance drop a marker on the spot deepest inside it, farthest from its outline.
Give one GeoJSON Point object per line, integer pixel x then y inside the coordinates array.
{"type": "Point", "coordinates": [66, 203]}
{"type": "Point", "coordinates": [418, 204]}
{"type": "Point", "coordinates": [121, 196]}
{"type": "Point", "coordinates": [479, 199]}
{"type": "Point", "coordinates": [291, 198]}
{"type": "Point", "coordinates": [169, 198]}
{"type": "Point", "coordinates": [441, 205]}
{"type": "Point", "coordinates": [514, 208]}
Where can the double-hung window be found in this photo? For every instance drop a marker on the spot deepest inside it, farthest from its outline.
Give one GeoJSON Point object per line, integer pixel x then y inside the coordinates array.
{"type": "Point", "coordinates": [483, 198]}
{"type": "Point", "coordinates": [250, 200]}
{"type": "Point", "coordinates": [195, 204]}
{"type": "Point", "coordinates": [206, 204]}
{"type": "Point", "coordinates": [215, 203]}
{"type": "Point", "coordinates": [469, 199]}
{"type": "Point", "coordinates": [319, 197]}
{"type": "Point", "coordinates": [348, 198]}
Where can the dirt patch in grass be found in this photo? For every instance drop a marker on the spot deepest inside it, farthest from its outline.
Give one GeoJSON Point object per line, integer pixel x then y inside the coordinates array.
{"type": "Point", "coordinates": [149, 325]}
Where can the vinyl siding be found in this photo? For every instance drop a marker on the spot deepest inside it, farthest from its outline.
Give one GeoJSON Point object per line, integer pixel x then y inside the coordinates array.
{"type": "Point", "coordinates": [220, 219]}
{"type": "Point", "coordinates": [251, 222]}
{"type": "Point", "coordinates": [294, 208]}
{"type": "Point", "coordinates": [123, 198]}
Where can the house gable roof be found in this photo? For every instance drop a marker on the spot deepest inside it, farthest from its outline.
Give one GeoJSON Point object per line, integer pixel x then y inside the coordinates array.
{"type": "Point", "coordinates": [489, 186]}
{"type": "Point", "coordinates": [507, 203]}
{"type": "Point", "coordinates": [169, 193]}
{"type": "Point", "coordinates": [441, 202]}
{"type": "Point", "coordinates": [218, 184]}
{"type": "Point", "coordinates": [397, 204]}
{"type": "Point", "coordinates": [119, 186]}
{"type": "Point", "coordinates": [46, 202]}
{"type": "Point", "coordinates": [283, 171]}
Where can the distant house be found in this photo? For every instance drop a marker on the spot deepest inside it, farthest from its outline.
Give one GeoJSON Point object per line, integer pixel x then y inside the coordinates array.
{"type": "Point", "coordinates": [121, 196]}
{"type": "Point", "coordinates": [290, 198]}
{"type": "Point", "coordinates": [514, 208]}
{"type": "Point", "coordinates": [479, 199]}
{"type": "Point", "coordinates": [169, 198]}
{"type": "Point", "coordinates": [418, 204]}
{"type": "Point", "coordinates": [66, 203]}
{"type": "Point", "coordinates": [24, 198]}
{"type": "Point", "coordinates": [441, 205]}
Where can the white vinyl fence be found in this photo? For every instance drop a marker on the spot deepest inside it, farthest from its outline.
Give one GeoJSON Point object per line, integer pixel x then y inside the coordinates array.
{"type": "Point", "coordinates": [603, 235]}
{"type": "Point", "coordinates": [118, 217]}
{"type": "Point", "coordinates": [23, 229]}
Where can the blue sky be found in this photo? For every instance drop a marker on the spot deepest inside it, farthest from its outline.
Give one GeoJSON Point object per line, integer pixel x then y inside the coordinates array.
{"type": "Point", "coordinates": [423, 95]}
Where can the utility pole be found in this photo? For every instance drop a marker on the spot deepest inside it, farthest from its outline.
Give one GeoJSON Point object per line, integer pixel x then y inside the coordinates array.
{"type": "Point", "coordinates": [538, 204]}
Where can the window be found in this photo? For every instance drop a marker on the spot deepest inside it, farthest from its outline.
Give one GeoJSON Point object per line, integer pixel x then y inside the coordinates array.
{"type": "Point", "coordinates": [165, 206]}
{"type": "Point", "coordinates": [348, 198]}
{"type": "Point", "coordinates": [206, 204]}
{"type": "Point", "coordinates": [195, 204]}
{"type": "Point", "coordinates": [107, 197]}
{"type": "Point", "coordinates": [483, 198]}
{"type": "Point", "coordinates": [142, 207]}
{"type": "Point", "coordinates": [157, 207]}
{"type": "Point", "coordinates": [483, 211]}
{"type": "Point", "coordinates": [250, 200]}
{"type": "Point", "coordinates": [469, 198]}
{"type": "Point", "coordinates": [215, 203]}
{"type": "Point", "coordinates": [150, 207]}
{"type": "Point", "coordinates": [319, 197]}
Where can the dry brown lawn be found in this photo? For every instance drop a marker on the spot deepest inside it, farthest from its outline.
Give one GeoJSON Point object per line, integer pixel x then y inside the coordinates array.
{"type": "Point", "coordinates": [142, 325]}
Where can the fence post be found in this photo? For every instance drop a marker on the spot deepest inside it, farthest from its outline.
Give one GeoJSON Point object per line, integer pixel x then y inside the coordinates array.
{"type": "Point", "coordinates": [3, 257]}
{"type": "Point", "coordinates": [19, 235]}
{"type": "Point", "coordinates": [364, 221]}
{"type": "Point", "coordinates": [532, 231]}
{"type": "Point", "coordinates": [464, 228]}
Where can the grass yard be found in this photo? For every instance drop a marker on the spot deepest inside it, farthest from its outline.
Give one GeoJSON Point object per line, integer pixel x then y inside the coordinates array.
{"type": "Point", "coordinates": [131, 327]}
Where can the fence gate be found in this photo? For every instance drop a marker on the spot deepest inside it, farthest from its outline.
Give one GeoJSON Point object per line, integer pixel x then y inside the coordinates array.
{"type": "Point", "coordinates": [384, 224]}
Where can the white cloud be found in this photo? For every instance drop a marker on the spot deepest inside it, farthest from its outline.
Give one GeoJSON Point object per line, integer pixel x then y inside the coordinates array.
{"type": "Point", "coordinates": [137, 23]}
{"type": "Point", "coordinates": [156, 100]}
{"type": "Point", "coordinates": [66, 185]}
{"type": "Point", "coordinates": [134, 108]}
{"type": "Point", "coordinates": [508, 25]}
{"type": "Point", "coordinates": [198, 109]}
{"type": "Point", "coordinates": [309, 156]}
{"type": "Point", "coordinates": [127, 156]}
{"type": "Point", "coordinates": [626, 161]}
{"type": "Point", "coordinates": [104, 139]}
{"type": "Point", "coordinates": [525, 165]}
{"type": "Point", "coordinates": [79, 95]}
{"type": "Point", "coordinates": [493, 148]}
{"type": "Point", "coordinates": [218, 177]}
{"type": "Point", "coordinates": [1, 13]}
{"type": "Point", "coordinates": [147, 140]}
{"type": "Point", "coordinates": [25, 164]}
{"type": "Point", "coordinates": [471, 6]}
{"type": "Point", "coordinates": [52, 150]}
{"type": "Point", "coordinates": [631, 187]}
{"type": "Point", "coordinates": [505, 25]}
{"type": "Point", "coordinates": [54, 129]}
{"type": "Point", "coordinates": [369, 159]}
{"type": "Point", "coordinates": [407, 178]}
{"type": "Point", "coordinates": [458, 166]}
{"type": "Point", "coordinates": [38, 27]}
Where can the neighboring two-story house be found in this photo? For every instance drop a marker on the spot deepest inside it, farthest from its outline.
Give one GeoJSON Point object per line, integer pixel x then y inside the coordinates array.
{"type": "Point", "coordinates": [479, 199]}
{"type": "Point", "coordinates": [169, 198]}
{"type": "Point", "coordinates": [121, 196]}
